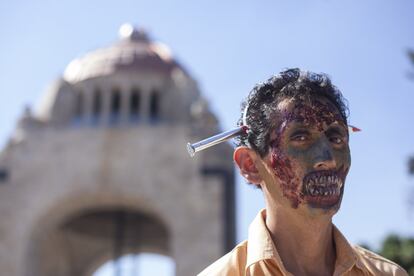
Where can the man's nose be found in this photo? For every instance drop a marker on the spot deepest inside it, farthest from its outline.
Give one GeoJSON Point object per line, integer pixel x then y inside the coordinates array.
{"type": "Point", "coordinates": [324, 158]}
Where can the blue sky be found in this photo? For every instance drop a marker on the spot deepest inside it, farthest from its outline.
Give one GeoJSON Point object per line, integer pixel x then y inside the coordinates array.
{"type": "Point", "coordinates": [228, 46]}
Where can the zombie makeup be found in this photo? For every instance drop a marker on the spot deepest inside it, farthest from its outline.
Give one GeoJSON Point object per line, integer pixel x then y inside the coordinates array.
{"type": "Point", "coordinates": [324, 189]}
{"type": "Point", "coordinates": [310, 132]}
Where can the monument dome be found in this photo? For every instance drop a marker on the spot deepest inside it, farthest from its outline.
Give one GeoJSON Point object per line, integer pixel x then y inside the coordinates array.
{"type": "Point", "coordinates": [135, 51]}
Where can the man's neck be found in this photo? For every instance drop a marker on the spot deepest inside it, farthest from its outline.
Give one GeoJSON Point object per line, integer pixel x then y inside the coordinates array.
{"type": "Point", "coordinates": [305, 245]}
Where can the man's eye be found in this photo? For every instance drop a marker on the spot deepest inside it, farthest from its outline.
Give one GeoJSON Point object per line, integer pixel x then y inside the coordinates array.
{"type": "Point", "coordinates": [300, 138]}
{"type": "Point", "coordinates": [337, 140]}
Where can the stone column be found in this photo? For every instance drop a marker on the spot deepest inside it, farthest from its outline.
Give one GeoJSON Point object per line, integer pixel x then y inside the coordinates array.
{"type": "Point", "coordinates": [125, 105]}
{"type": "Point", "coordinates": [106, 104]}
{"type": "Point", "coordinates": [87, 104]}
{"type": "Point", "coordinates": [144, 108]}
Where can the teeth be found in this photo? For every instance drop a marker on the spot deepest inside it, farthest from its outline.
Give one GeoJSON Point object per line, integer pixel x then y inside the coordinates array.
{"type": "Point", "coordinates": [325, 185]}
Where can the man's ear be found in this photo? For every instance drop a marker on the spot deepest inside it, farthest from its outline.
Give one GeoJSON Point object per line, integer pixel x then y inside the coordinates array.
{"type": "Point", "coordinates": [246, 160]}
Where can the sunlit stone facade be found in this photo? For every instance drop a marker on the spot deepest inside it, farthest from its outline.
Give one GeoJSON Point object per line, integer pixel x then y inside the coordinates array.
{"type": "Point", "coordinates": [100, 168]}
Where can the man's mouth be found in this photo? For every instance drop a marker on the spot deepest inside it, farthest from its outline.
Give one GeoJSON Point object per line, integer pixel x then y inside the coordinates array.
{"type": "Point", "coordinates": [322, 184]}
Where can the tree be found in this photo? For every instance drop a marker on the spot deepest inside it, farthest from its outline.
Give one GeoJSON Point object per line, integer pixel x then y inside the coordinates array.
{"type": "Point", "coordinates": [399, 250]}
{"type": "Point", "coordinates": [411, 192]}
{"type": "Point", "coordinates": [410, 54]}
{"type": "Point", "coordinates": [411, 166]}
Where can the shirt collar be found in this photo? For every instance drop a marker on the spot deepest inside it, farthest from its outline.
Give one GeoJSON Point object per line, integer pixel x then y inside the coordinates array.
{"type": "Point", "coordinates": [260, 244]}
{"type": "Point", "coordinates": [345, 255]}
{"type": "Point", "coordinates": [261, 247]}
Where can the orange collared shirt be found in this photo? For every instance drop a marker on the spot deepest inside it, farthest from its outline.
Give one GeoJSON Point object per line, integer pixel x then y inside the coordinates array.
{"type": "Point", "coordinates": [258, 256]}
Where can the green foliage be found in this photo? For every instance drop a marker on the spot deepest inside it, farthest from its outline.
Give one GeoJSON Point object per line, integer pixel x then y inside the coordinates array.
{"type": "Point", "coordinates": [411, 55]}
{"type": "Point", "coordinates": [411, 165]}
{"type": "Point", "coordinates": [399, 250]}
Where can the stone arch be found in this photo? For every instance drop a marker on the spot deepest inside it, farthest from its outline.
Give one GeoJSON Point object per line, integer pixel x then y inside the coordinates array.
{"type": "Point", "coordinates": [59, 248]}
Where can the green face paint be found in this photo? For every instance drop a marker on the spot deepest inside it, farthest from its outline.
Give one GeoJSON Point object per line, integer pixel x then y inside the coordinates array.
{"type": "Point", "coordinates": [310, 154]}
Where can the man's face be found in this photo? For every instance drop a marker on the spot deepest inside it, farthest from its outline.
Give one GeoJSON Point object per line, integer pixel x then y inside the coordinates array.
{"type": "Point", "coordinates": [309, 153]}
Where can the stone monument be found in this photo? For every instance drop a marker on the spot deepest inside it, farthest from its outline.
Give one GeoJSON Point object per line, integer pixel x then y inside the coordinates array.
{"type": "Point", "coordinates": [100, 168]}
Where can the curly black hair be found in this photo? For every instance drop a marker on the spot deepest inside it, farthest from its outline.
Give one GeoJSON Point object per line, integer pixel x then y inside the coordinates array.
{"type": "Point", "coordinates": [258, 111]}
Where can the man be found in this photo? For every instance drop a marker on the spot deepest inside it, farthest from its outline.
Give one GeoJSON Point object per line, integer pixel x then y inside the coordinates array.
{"type": "Point", "coordinates": [296, 151]}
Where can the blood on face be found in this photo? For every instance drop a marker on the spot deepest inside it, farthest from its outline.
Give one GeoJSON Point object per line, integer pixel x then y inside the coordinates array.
{"type": "Point", "coordinates": [315, 114]}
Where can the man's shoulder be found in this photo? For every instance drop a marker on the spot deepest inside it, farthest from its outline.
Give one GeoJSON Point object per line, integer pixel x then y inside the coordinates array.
{"type": "Point", "coordinates": [233, 263]}
{"type": "Point", "coordinates": [377, 264]}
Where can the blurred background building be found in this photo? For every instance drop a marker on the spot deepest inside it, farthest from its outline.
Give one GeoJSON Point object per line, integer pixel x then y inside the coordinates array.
{"type": "Point", "coordinates": [229, 46]}
{"type": "Point", "coordinates": [100, 169]}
